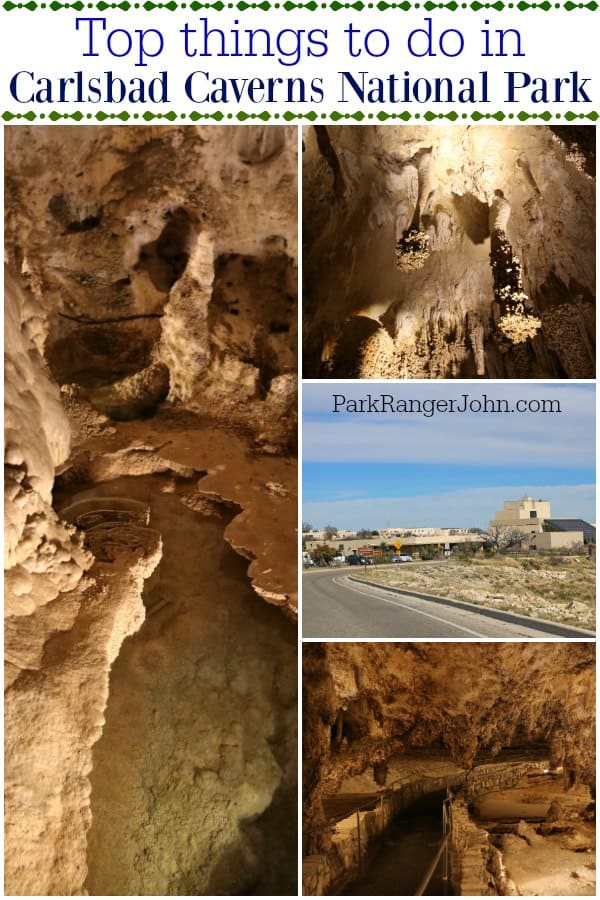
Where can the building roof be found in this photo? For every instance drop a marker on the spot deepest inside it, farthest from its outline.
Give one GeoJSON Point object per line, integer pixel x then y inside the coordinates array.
{"type": "Point", "coordinates": [589, 531]}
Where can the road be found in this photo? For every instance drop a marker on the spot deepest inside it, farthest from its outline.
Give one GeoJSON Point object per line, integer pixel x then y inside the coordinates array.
{"type": "Point", "coordinates": [333, 606]}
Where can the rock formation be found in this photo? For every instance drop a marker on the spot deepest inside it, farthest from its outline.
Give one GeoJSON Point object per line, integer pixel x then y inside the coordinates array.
{"type": "Point", "coordinates": [513, 320]}
{"type": "Point", "coordinates": [150, 483]}
{"type": "Point", "coordinates": [397, 245]}
{"type": "Point", "coordinates": [368, 708]}
{"type": "Point", "coordinates": [412, 243]}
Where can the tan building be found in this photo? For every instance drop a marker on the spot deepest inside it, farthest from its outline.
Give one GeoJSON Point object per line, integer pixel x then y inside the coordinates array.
{"type": "Point", "coordinates": [527, 514]}
{"type": "Point", "coordinates": [542, 532]}
{"type": "Point", "coordinates": [411, 545]}
{"type": "Point", "coordinates": [556, 540]}
{"type": "Point", "coordinates": [389, 534]}
{"type": "Point", "coordinates": [320, 536]}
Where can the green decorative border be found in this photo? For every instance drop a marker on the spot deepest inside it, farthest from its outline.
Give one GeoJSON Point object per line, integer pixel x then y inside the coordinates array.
{"type": "Point", "coordinates": [334, 116]}
{"type": "Point", "coordinates": [288, 5]}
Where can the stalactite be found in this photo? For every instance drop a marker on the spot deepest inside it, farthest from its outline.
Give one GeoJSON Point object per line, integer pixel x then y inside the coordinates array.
{"type": "Point", "coordinates": [412, 249]}
{"type": "Point", "coordinates": [513, 320]}
{"type": "Point", "coordinates": [413, 246]}
{"type": "Point", "coordinates": [327, 151]}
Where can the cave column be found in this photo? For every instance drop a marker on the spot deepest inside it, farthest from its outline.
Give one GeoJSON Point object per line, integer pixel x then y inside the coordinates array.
{"type": "Point", "coordinates": [184, 344]}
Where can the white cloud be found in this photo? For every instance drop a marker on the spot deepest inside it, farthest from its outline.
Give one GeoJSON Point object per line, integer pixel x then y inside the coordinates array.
{"type": "Point", "coordinates": [471, 507]}
{"type": "Point", "coordinates": [562, 439]}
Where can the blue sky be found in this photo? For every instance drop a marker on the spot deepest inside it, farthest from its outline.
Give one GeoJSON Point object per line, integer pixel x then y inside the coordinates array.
{"type": "Point", "coordinates": [373, 470]}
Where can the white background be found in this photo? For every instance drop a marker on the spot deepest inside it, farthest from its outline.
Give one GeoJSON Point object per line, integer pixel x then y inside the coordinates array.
{"type": "Point", "coordinates": [555, 43]}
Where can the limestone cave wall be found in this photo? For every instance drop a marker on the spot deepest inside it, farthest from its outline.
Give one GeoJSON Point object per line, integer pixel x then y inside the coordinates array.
{"type": "Point", "coordinates": [159, 271]}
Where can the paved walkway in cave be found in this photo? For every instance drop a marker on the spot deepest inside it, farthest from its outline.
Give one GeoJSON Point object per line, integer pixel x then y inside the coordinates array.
{"type": "Point", "coordinates": [333, 606]}
{"type": "Point", "coordinates": [410, 846]}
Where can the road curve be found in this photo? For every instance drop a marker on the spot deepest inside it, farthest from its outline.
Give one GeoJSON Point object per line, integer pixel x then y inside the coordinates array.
{"type": "Point", "coordinates": [334, 606]}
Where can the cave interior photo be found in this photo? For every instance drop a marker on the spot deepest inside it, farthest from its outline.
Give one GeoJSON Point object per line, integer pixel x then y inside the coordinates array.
{"type": "Point", "coordinates": [457, 251]}
{"type": "Point", "coordinates": [449, 768]}
{"type": "Point", "coordinates": [150, 484]}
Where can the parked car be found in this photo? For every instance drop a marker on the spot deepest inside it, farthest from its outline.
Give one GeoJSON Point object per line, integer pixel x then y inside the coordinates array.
{"type": "Point", "coordinates": [401, 559]}
{"type": "Point", "coordinates": [355, 560]}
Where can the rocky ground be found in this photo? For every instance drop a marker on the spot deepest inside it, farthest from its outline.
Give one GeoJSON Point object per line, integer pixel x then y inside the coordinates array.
{"type": "Point", "coordinates": [552, 857]}
{"type": "Point", "coordinates": [556, 588]}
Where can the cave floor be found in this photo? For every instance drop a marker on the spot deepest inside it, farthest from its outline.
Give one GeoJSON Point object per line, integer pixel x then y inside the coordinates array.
{"type": "Point", "coordinates": [199, 731]}
{"type": "Point", "coordinates": [263, 485]}
{"type": "Point", "coordinates": [549, 871]}
{"type": "Point", "coordinates": [194, 777]}
{"type": "Point", "coordinates": [556, 859]}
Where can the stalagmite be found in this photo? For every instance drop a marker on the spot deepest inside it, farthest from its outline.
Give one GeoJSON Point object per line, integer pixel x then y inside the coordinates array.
{"type": "Point", "coordinates": [376, 355]}
{"type": "Point", "coordinates": [477, 338]}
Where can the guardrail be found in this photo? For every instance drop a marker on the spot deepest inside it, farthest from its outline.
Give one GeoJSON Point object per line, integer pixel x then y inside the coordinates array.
{"type": "Point", "coordinates": [442, 849]}
{"type": "Point", "coordinates": [446, 827]}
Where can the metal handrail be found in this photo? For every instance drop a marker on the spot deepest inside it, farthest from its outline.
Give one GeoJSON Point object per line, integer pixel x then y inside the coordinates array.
{"type": "Point", "coordinates": [443, 847]}
{"type": "Point", "coordinates": [388, 788]}
{"type": "Point", "coordinates": [432, 867]}
{"type": "Point", "coordinates": [446, 829]}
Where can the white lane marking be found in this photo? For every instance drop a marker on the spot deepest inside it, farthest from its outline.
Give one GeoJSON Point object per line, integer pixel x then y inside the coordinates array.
{"type": "Point", "coordinates": [411, 609]}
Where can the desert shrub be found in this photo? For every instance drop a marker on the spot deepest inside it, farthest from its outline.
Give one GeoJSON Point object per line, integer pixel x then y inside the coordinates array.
{"type": "Point", "coordinates": [557, 560]}
{"type": "Point", "coordinates": [531, 564]}
{"type": "Point", "coordinates": [508, 562]}
{"type": "Point", "coordinates": [428, 554]}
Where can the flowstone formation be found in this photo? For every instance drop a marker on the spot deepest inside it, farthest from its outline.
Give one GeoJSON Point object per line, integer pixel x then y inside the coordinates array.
{"type": "Point", "coordinates": [408, 271]}
{"type": "Point", "coordinates": [393, 721]}
{"type": "Point", "coordinates": [150, 482]}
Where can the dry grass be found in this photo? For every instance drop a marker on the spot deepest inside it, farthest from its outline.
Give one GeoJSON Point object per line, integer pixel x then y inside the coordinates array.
{"type": "Point", "coordinates": [555, 588]}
